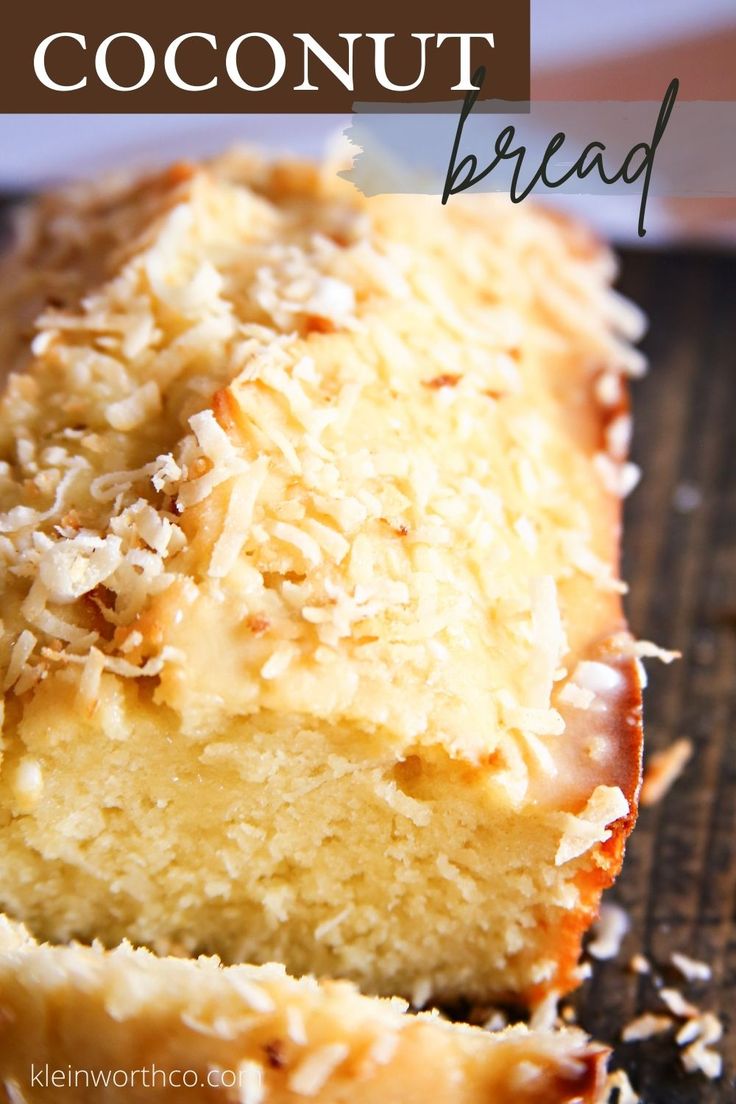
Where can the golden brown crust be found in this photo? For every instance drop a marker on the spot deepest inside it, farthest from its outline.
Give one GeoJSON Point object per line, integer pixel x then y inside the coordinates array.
{"type": "Point", "coordinates": [594, 879]}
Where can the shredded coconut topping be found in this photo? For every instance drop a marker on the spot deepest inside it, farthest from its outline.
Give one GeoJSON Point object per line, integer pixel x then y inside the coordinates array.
{"type": "Point", "coordinates": [238, 426]}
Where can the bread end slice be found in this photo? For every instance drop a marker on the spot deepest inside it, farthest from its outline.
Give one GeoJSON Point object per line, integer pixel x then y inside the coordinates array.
{"type": "Point", "coordinates": [79, 1023]}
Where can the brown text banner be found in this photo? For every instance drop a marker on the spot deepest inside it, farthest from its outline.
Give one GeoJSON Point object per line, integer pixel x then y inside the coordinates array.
{"type": "Point", "coordinates": [83, 56]}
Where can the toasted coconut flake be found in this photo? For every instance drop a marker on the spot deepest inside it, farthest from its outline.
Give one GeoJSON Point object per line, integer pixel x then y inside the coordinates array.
{"type": "Point", "coordinates": [639, 964]}
{"type": "Point", "coordinates": [618, 436]}
{"type": "Point", "coordinates": [164, 473]}
{"type": "Point", "coordinates": [238, 519]}
{"type": "Point", "coordinates": [118, 666]}
{"type": "Point", "coordinates": [89, 682]}
{"type": "Point", "coordinates": [617, 478]}
{"type": "Point", "coordinates": [251, 1087]}
{"type": "Point", "coordinates": [384, 1047]}
{"type": "Point", "coordinates": [421, 993]}
{"type": "Point", "coordinates": [278, 661]}
{"type": "Point", "coordinates": [295, 1027]}
{"type": "Point", "coordinates": [706, 1027]}
{"type": "Point", "coordinates": [333, 922]}
{"type": "Point", "coordinates": [662, 770]}
{"type": "Point", "coordinates": [619, 1089]}
{"type": "Point", "coordinates": [22, 650]}
{"type": "Point", "coordinates": [698, 1058]}
{"type": "Point", "coordinates": [254, 995]}
{"type": "Point", "coordinates": [332, 299]}
{"type": "Point", "coordinates": [418, 812]}
{"type": "Point", "coordinates": [605, 805]}
{"type": "Point", "coordinates": [646, 1026]}
{"type": "Point", "coordinates": [217, 449]}
{"type": "Point", "coordinates": [677, 1003]}
{"type": "Point", "coordinates": [544, 1015]}
{"type": "Point", "coordinates": [496, 1020]}
{"type": "Point", "coordinates": [303, 542]}
{"type": "Point", "coordinates": [36, 612]}
{"type": "Point", "coordinates": [134, 409]}
{"type": "Point", "coordinates": [609, 388]}
{"type": "Point", "coordinates": [609, 931]}
{"type": "Point", "coordinates": [14, 1094]}
{"type": "Point", "coordinates": [642, 649]}
{"type": "Point", "coordinates": [315, 1070]}
{"type": "Point", "coordinates": [525, 1074]}
{"type": "Point", "coordinates": [70, 568]}
{"type": "Point", "coordinates": [21, 517]}
{"type": "Point", "coordinates": [549, 641]}
{"type": "Point", "coordinates": [692, 969]}
{"type": "Point", "coordinates": [577, 696]}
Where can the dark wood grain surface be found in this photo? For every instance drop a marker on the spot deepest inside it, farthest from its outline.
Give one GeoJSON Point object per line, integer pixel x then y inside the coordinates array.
{"type": "Point", "coordinates": [679, 880]}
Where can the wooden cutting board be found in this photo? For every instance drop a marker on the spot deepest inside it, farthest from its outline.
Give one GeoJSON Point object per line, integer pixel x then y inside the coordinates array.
{"type": "Point", "coordinates": [679, 881]}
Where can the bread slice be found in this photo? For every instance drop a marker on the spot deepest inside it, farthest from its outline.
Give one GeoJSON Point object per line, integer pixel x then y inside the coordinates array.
{"type": "Point", "coordinates": [312, 630]}
{"type": "Point", "coordinates": [83, 1024]}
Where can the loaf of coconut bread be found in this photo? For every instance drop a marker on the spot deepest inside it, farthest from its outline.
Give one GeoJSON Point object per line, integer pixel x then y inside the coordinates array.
{"type": "Point", "coordinates": [312, 640]}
